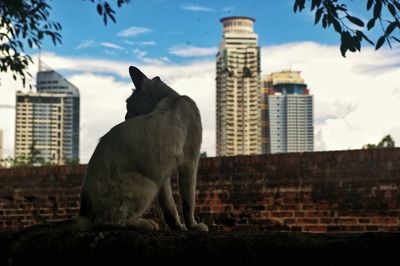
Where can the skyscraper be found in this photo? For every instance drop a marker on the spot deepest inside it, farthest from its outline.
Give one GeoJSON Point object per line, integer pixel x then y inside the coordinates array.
{"type": "Point", "coordinates": [47, 122]}
{"type": "Point", "coordinates": [237, 88]}
{"type": "Point", "coordinates": [286, 114]}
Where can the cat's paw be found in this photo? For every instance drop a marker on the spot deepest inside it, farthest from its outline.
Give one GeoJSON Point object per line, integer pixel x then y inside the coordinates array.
{"type": "Point", "coordinates": [200, 227]}
{"type": "Point", "coordinates": [146, 224]}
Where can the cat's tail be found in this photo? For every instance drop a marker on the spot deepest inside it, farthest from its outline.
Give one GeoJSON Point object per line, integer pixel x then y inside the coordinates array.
{"type": "Point", "coordinates": [77, 223]}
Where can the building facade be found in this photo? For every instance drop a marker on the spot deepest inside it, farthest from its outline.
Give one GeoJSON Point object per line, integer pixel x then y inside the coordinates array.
{"type": "Point", "coordinates": [47, 121]}
{"type": "Point", "coordinates": [286, 114]}
{"type": "Point", "coordinates": [238, 89]}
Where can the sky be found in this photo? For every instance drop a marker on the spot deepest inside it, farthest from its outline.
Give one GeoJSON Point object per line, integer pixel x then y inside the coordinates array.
{"type": "Point", "coordinates": [356, 99]}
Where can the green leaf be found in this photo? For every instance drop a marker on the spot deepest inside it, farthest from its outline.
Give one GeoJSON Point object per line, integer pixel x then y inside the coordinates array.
{"type": "Point", "coordinates": [357, 43]}
{"type": "Point", "coordinates": [390, 28]}
{"type": "Point", "coordinates": [343, 49]}
{"type": "Point", "coordinates": [371, 23]}
{"type": "Point", "coordinates": [315, 3]}
{"type": "Point", "coordinates": [378, 9]}
{"type": "Point", "coordinates": [392, 9]}
{"type": "Point", "coordinates": [369, 4]}
{"type": "Point", "coordinates": [324, 21]}
{"type": "Point", "coordinates": [337, 26]}
{"type": "Point", "coordinates": [355, 21]}
{"type": "Point", "coordinates": [397, 4]}
{"type": "Point", "coordinates": [318, 14]}
{"type": "Point", "coordinates": [99, 9]}
{"type": "Point", "coordinates": [105, 19]}
{"type": "Point", "coordinates": [380, 42]}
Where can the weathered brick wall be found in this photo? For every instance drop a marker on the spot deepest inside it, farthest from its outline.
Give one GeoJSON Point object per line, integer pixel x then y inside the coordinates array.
{"type": "Point", "coordinates": [313, 192]}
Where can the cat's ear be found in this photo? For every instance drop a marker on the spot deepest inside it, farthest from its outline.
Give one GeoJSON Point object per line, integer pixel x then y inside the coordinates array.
{"type": "Point", "coordinates": [137, 77]}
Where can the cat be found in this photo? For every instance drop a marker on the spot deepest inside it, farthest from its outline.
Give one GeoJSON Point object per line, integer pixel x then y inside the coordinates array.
{"type": "Point", "coordinates": [133, 163]}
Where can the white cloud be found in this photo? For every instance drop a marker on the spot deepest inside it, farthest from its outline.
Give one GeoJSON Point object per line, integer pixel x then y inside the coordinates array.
{"type": "Point", "coordinates": [111, 45]}
{"type": "Point", "coordinates": [104, 86]}
{"type": "Point", "coordinates": [356, 99]}
{"type": "Point", "coordinates": [141, 55]}
{"type": "Point", "coordinates": [133, 31]}
{"type": "Point", "coordinates": [196, 7]}
{"type": "Point", "coordinates": [86, 44]}
{"type": "Point", "coordinates": [143, 43]}
{"type": "Point", "coordinates": [192, 51]}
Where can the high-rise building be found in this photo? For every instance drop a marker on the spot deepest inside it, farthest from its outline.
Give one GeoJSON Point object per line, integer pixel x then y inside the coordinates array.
{"type": "Point", "coordinates": [47, 121]}
{"type": "Point", "coordinates": [286, 114]}
{"type": "Point", "coordinates": [238, 89]}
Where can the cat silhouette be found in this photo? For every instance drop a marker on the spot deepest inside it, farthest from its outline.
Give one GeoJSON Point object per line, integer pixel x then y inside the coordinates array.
{"type": "Point", "coordinates": [133, 163]}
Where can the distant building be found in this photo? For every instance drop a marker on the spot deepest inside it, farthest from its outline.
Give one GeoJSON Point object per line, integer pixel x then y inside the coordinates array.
{"type": "Point", "coordinates": [238, 89]}
{"type": "Point", "coordinates": [286, 114]}
{"type": "Point", "coordinates": [47, 122]}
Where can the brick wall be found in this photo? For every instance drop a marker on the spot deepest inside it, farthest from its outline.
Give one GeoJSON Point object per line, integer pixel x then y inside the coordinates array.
{"type": "Point", "coordinates": [356, 191]}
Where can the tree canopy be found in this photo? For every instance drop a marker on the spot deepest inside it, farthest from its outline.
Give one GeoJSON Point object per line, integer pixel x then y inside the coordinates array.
{"type": "Point", "coordinates": [386, 142]}
{"type": "Point", "coordinates": [353, 30]}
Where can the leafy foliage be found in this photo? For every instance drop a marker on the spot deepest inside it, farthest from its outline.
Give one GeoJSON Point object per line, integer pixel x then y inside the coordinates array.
{"type": "Point", "coordinates": [386, 142]}
{"type": "Point", "coordinates": [352, 29]}
{"type": "Point", "coordinates": [27, 23]}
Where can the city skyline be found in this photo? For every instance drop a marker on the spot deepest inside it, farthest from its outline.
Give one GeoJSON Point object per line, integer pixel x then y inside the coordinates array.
{"type": "Point", "coordinates": [47, 121]}
{"type": "Point", "coordinates": [238, 89]}
{"type": "Point", "coordinates": [287, 113]}
{"type": "Point", "coordinates": [356, 98]}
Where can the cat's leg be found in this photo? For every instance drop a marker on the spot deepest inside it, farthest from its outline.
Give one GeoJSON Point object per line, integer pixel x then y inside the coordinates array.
{"type": "Point", "coordinates": [187, 187]}
{"type": "Point", "coordinates": [138, 192]}
{"type": "Point", "coordinates": [168, 207]}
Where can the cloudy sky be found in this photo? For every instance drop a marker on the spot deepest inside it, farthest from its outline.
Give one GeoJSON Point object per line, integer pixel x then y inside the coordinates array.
{"type": "Point", "coordinates": [356, 99]}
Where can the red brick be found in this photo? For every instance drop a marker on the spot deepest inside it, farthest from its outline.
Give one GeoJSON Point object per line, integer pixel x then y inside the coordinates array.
{"type": "Point", "coordinates": [384, 220]}
{"type": "Point", "coordinates": [281, 214]}
{"type": "Point", "coordinates": [327, 221]}
{"type": "Point", "coordinates": [289, 221]}
{"type": "Point", "coordinates": [299, 214]}
{"type": "Point", "coordinates": [318, 214]}
{"type": "Point", "coordinates": [306, 221]}
{"type": "Point", "coordinates": [364, 220]}
{"type": "Point", "coordinates": [265, 214]}
{"type": "Point", "coordinates": [346, 221]}
{"type": "Point", "coordinates": [290, 207]}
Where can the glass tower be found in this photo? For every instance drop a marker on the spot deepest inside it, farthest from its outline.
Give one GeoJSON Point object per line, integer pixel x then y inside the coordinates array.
{"type": "Point", "coordinates": [47, 122]}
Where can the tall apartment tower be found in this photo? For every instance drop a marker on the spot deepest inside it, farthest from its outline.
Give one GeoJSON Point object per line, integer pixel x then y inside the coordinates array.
{"type": "Point", "coordinates": [286, 114]}
{"type": "Point", "coordinates": [47, 122]}
{"type": "Point", "coordinates": [238, 89]}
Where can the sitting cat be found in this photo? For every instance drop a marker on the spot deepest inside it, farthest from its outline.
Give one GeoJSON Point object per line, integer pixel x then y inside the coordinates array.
{"type": "Point", "coordinates": [133, 163]}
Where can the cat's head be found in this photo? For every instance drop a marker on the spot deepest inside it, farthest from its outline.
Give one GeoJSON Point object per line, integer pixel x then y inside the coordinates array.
{"type": "Point", "coordinates": [147, 94]}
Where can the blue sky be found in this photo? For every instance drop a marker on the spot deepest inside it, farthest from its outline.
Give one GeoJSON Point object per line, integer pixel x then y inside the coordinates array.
{"type": "Point", "coordinates": [356, 99]}
{"type": "Point", "coordinates": [161, 28]}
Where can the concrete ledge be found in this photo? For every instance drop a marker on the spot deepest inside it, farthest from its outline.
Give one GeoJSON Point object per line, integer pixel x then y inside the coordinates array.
{"type": "Point", "coordinates": [44, 245]}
